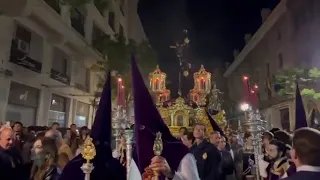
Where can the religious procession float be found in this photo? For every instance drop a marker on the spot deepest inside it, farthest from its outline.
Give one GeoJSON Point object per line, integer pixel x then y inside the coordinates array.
{"type": "Point", "coordinates": [187, 111]}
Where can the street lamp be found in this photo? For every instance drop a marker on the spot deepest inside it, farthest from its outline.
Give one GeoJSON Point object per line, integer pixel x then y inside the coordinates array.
{"type": "Point", "coordinates": [244, 106]}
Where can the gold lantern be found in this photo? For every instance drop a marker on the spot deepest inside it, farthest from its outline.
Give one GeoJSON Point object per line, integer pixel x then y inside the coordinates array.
{"type": "Point", "coordinates": [202, 86]}
{"type": "Point", "coordinates": [157, 85]}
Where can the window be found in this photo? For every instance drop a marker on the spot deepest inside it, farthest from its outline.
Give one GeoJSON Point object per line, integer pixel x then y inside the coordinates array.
{"type": "Point", "coordinates": [22, 104]}
{"type": "Point", "coordinates": [57, 112]}
{"type": "Point", "coordinates": [59, 117]}
{"type": "Point", "coordinates": [26, 115]}
{"type": "Point", "coordinates": [82, 114]}
{"type": "Point", "coordinates": [96, 37]}
{"type": "Point", "coordinates": [121, 31]}
{"type": "Point", "coordinates": [280, 61]}
{"type": "Point", "coordinates": [23, 34]}
{"type": "Point", "coordinates": [77, 20]}
{"type": "Point", "coordinates": [27, 49]}
{"type": "Point", "coordinates": [59, 62]}
{"type": "Point", "coordinates": [111, 20]}
{"type": "Point", "coordinates": [59, 68]}
{"type": "Point", "coordinates": [82, 78]}
{"type": "Point", "coordinates": [285, 119]}
{"type": "Point", "coordinates": [268, 69]}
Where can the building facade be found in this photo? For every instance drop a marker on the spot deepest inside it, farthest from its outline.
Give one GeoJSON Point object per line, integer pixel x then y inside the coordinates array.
{"type": "Point", "coordinates": [287, 38]}
{"type": "Point", "coordinates": [46, 54]}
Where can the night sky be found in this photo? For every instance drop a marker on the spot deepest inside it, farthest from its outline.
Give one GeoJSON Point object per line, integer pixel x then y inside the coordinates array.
{"type": "Point", "coordinates": [215, 28]}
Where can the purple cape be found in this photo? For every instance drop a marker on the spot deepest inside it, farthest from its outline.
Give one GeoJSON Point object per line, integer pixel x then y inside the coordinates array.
{"type": "Point", "coordinates": [148, 122]}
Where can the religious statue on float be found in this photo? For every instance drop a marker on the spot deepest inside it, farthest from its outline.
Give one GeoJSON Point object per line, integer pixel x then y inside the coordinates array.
{"type": "Point", "coordinates": [214, 107]}
{"type": "Point", "coordinates": [214, 98]}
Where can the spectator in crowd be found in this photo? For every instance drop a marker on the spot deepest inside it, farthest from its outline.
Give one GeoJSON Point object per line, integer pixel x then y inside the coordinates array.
{"type": "Point", "coordinates": [215, 138]}
{"type": "Point", "coordinates": [182, 132]}
{"type": "Point", "coordinates": [73, 130]}
{"type": "Point", "coordinates": [84, 132]}
{"type": "Point", "coordinates": [305, 154]}
{"type": "Point", "coordinates": [188, 139]}
{"type": "Point", "coordinates": [64, 148]}
{"type": "Point", "coordinates": [18, 134]}
{"type": "Point", "coordinates": [10, 159]}
{"type": "Point", "coordinates": [44, 159]}
{"type": "Point", "coordinates": [54, 132]}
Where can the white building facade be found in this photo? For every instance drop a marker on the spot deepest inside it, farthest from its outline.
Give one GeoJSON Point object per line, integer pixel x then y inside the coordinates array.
{"type": "Point", "coordinates": [288, 38]}
{"type": "Point", "coordinates": [46, 53]}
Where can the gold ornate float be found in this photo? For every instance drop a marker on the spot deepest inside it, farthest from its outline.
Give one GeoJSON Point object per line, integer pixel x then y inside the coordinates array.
{"type": "Point", "coordinates": [182, 112]}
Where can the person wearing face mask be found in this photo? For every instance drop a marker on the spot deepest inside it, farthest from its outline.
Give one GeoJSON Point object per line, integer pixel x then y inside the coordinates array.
{"type": "Point", "coordinates": [44, 158]}
{"type": "Point", "coordinates": [278, 163]}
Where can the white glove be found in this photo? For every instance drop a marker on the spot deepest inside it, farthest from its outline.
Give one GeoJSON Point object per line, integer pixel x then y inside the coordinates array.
{"type": "Point", "coordinates": [263, 168]}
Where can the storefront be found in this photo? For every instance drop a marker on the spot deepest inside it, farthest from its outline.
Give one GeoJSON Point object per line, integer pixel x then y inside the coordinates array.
{"type": "Point", "coordinates": [82, 114]}
{"type": "Point", "coordinates": [57, 112]}
{"type": "Point", "coordinates": [22, 104]}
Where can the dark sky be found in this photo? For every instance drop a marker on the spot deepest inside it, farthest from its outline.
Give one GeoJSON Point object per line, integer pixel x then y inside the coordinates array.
{"type": "Point", "coordinates": [216, 28]}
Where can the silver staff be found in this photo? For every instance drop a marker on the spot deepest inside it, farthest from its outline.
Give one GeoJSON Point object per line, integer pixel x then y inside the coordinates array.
{"type": "Point", "coordinates": [255, 125]}
{"type": "Point", "coordinates": [128, 133]}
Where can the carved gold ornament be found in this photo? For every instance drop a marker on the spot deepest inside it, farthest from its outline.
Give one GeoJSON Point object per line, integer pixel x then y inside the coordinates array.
{"type": "Point", "coordinates": [158, 145]}
{"type": "Point", "coordinates": [88, 150]}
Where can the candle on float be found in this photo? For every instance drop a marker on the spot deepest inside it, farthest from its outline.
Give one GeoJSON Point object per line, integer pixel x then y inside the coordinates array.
{"type": "Point", "coordinates": [123, 100]}
{"type": "Point", "coordinates": [246, 88]}
{"type": "Point", "coordinates": [119, 85]}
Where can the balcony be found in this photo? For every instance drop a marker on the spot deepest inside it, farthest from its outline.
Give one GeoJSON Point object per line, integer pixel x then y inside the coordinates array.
{"type": "Point", "coordinates": [61, 77]}
{"type": "Point", "coordinates": [77, 21]}
{"type": "Point", "coordinates": [21, 58]}
{"type": "Point", "coordinates": [54, 4]}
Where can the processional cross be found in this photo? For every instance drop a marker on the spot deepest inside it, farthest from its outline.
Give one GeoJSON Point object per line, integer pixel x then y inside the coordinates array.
{"type": "Point", "coordinates": [180, 49]}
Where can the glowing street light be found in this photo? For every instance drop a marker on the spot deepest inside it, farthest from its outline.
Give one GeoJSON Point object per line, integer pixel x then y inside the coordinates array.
{"type": "Point", "coordinates": [244, 106]}
{"type": "Point", "coordinates": [245, 78]}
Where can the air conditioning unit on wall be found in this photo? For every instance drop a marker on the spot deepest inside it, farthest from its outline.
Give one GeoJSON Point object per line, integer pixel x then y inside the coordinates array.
{"type": "Point", "coordinates": [23, 46]}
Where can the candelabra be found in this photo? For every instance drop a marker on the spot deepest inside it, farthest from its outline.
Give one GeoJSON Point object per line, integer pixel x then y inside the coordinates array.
{"type": "Point", "coordinates": [128, 133]}
{"type": "Point", "coordinates": [256, 126]}
{"type": "Point", "coordinates": [119, 122]}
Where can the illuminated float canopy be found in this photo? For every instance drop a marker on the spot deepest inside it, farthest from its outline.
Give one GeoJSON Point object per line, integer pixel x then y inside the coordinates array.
{"type": "Point", "coordinates": [182, 112]}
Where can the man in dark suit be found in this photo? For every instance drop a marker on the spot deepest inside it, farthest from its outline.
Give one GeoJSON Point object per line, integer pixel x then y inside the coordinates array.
{"type": "Point", "coordinates": [10, 159]}
{"type": "Point", "coordinates": [207, 155]}
{"type": "Point", "coordinates": [305, 154]}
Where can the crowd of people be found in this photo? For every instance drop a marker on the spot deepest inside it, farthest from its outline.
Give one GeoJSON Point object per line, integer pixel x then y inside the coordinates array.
{"type": "Point", "coordinates": [231, 157]}
{"type": "Point", "coordinates": [38, 153]}
{"type": "Point", "coordinates": [42, 155]}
